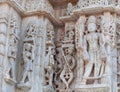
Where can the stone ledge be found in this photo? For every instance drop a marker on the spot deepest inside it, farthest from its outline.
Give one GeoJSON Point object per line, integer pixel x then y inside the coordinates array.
{"type": "Point", "coordinates": [25, 13]}
{"type": "Point", "coordinates": [93, 88]}
{"type": "Point", "coordinates": [90, 10]}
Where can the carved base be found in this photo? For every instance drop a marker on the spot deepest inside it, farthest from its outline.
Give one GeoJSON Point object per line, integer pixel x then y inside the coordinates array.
{"type": "Point", "coordinates": [48, 88]}
{"type": "Point", "coordinates": [10, 81]}
{"type": "Point", "coordinates": [24, 86]}
{"type": "Point", "coordinates": [78, 82]}
{"type": "Point", "coordinates": [66, 90]}
{"type": "Point", "coordinates": [118, 89]}
{"type": "Point", "coordinates": [93, 88]}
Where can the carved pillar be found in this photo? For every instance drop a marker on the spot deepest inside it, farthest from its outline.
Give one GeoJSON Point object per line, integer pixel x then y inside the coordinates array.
{"type": "Point", "coordinates": [3, 34]}
{"type": "Point", "coordinates": [79, 34]}
{"type": "Point", "coordinates": [109, 39]}
{"type": "Point", "coordinates": [68, 57]}
{"type": "Point", "coordinates": [48, 67]}
{"type": "Point", "coordinates": [3, 40]}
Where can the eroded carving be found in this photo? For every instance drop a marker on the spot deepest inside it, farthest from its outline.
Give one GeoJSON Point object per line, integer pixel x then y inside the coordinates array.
{"type": "Point", "coordinates": [69, 8]}
{"type": "Point", "coordinates": [93, 51]}
{"type": "Point", "coordinates": [12, 52]}
{"type": "Point", "coordinates": [28, 57]}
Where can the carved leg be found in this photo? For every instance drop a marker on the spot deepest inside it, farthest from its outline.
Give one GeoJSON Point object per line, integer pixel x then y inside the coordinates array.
{"type": "Point", "coordinates": [7, 71]}
{"type": "Point", "coordinates": [88, 71]}
{"type": "Point", "coordinates": [24, 76]}
{"type": "Point", "coordinates": [97, 71]}
{"type": "Point", "coordinates": [29, 76]}
{"type": "Point", "coordinates": [13, 68]}
{"type": "Point", "coordinates": [51, 78]}
{"type": "Point", "coordinates": [102, 69]}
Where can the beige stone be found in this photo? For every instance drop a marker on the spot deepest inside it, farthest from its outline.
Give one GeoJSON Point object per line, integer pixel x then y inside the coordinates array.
{"type": "Point", "coordinates": [59, 45]}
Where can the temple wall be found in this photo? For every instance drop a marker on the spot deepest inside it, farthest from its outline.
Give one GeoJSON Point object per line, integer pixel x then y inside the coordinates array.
{"type": "Point", "coordinates": [69, 48]}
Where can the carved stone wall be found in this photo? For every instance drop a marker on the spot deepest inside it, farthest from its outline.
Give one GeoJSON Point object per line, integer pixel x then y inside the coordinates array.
{"type": "Point", "coordinates": [47, 47]}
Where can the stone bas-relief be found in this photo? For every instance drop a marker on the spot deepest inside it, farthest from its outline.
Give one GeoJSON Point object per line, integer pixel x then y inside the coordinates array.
{"type": "Point", "coordinates": [92, 55]}
{"type": "Point", "coordinates": [76, 51]}
{"type": "Point", "coordinates": [12, 52]}
{"type": "Point", "coordinates": [28, 57]}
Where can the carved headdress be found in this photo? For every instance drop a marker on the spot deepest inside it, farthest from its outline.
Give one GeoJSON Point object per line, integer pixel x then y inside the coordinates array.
{"type": "Point", "coordinates": [92, 19]}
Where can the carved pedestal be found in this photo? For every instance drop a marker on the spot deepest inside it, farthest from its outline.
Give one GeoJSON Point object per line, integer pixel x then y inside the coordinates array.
{"type": "Point", "coordinates": [93, 88]}
{"type": "Point", "coordinates": [24, 86]}
{"type": "Point", "coordinates": [10, 81]}
{"type": "Point", "coordinates": [48, 89]}
{"type": "Point", "coordinates": [67, 90]}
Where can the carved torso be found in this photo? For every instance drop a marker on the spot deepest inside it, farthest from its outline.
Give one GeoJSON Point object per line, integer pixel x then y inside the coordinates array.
{"type": "Point", "coordinates": [92, 40]}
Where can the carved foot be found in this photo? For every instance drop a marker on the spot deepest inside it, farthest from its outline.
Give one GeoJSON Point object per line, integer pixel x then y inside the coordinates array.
{"type": "Point", "coordinates": [79, 82]}
{"type": "Point", "coordinates": [93, 88]}
{"type": "Point", "coordinates": [10, 80]}
{"type": "Point", "coordinates": [66, 90]}
{"type": "Point", "coordinates": [24, 86]}
{"type": "Point", "coordinates": [48, 88]}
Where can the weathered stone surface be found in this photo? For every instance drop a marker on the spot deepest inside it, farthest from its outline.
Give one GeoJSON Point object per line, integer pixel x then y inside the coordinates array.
{"type": "Point", "coordinates": [73, 46]}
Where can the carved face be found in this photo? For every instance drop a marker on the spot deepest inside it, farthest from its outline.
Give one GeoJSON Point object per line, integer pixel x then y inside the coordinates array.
{"type": "Point", "coordinates": [92, 27]}
{"type": "Point", "coordinates": [12, 23]}
{"type": "Point", "coordinates": [31, 28]}
{"type": "Point", "coordinates": [69, 50]}
{"type": "Point", "coordinates": [53, 51]}
{"type": "Point", "coordinates": [27, 47]}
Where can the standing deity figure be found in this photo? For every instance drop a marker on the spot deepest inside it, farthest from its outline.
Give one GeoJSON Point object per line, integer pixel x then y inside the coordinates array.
{"type": "Point", "coordinates": [69, 8]}
{"type": "Point", "coordinates": [28, 57]}
{"type": "Point", "coordinates": [12, 52]}
{"type": "Point", "coordinates": [92, 50]}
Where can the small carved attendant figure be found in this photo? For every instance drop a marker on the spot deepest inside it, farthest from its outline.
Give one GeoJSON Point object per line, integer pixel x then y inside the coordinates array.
{"type": "Point", "coordinates": [69, 8]}
{"type": "Point", "coordinates": [12, 58]}
{"type": "Point", "coordinates": [49, 65]}
{"type": "Point", "coordinates": [12, 53]}
{"type": "Point", "coordinates": [67, 74]}
{"type": "Point", "coordinates": [49, 70]}
{"type": "Point", "coordinates": [69, 57]}
{"type": "Point", "coordinates": [28, 57]}
{"type": "Point", "coordinates": [92, 42]}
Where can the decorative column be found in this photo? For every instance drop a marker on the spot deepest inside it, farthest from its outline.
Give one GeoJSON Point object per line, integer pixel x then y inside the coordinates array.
{"type": "Point", "coordinates": [68, 57]}
{"type": "Point", "coordinates": [79, 34]}
{"type": "Point", "coordinates": [49, 61]}
{"type": "Point", "coordinates": [3, 40]}
{"type": "Point", "coordinates": [109, 39]}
